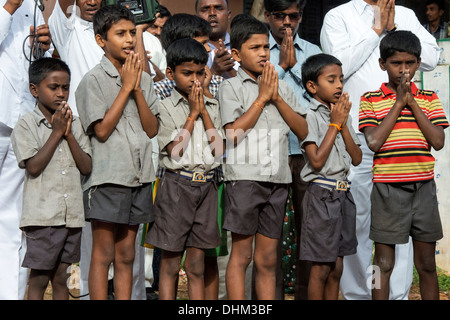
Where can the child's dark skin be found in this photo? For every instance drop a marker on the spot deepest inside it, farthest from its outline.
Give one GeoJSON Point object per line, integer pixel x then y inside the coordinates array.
{"type": "Point", "coordinates": [401, 68]}
{"type": "Point", "coordinates": [189, 80]}
{"type": "Point", "coordinates": [325, 277]}
{"type": "Point", "coordinates": [51, 95]}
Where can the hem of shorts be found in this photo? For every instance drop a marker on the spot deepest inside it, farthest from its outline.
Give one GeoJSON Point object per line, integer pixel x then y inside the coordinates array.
{"type": "Point", "coordinates": [251, 234]}
{"type": "Point", "coordinates": [388, 238]}
{"type": "Point", "coordinates": [429, 237]}
{"type": "Point", "coordinates": [131, 223]}
{"type": "Point", "coordinates": [172, 249]}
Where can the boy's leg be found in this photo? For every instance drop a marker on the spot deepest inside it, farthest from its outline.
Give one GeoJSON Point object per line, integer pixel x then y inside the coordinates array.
{"type": "Point", "coordinates": [211, 278]}
{"type": "Point", "coordinates": [37, 284]}
{"type": "Point", "coordinates": [265, 266]}
{"type": "Point", "coordinates": [194, 265]}
{"type": "Point", "coordinates": [240, 258]}
{"type": "Point", "coordinates": [334, 278]}
{"type": "Point", "coordinates": [60, 289]}
{"type": "Point", "coordinates": [168, 274]}
{"type": "Point", "coordinates": [425, 262]}
{"type": "Point", "coordinates": [384, 259]}
{"type": "Point", "coordinates": [317, 280]}
{"type": "Point", "coordinates": [124, 252]}
{"type": "Point", "coordinates": [102, 257]}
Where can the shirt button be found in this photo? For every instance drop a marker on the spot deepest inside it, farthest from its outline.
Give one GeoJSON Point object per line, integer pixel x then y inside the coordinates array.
{"type": "Point", "coordinates": [60, 149]}
{"type": "Point", "coordinates": [63, 172]}
{"type": "Point", "coordinates": [268, 133]}
{"type": "Point", "coordinates": [65, 195]}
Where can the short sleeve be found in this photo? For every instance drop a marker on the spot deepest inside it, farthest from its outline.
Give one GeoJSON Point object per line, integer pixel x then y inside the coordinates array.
{"type": "Point", "coordinates": [231, 107]}
{"type": "Point", "coordinates": [436, 112]}
{"type": "Point", "coordinates": [313, 130]}
{"type": "Point", "coordinates": [81, 137]}
{"type": "Point", "coordinates": [167, 127]}
{"type": "Point", "coordinates": [24, 144]}
{"type": "Point", "coordinates": [91, 104]}
{"type": "Point", "coordinates": [367, 116]}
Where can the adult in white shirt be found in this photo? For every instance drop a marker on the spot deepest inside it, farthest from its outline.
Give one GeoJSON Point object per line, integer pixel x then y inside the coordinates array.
{"type": "Point", "coordinates": [16, 18]}
{"type": "Point", "coordinates": [73, 35]}
{"type": "Point", "coordinates": [352, 32]}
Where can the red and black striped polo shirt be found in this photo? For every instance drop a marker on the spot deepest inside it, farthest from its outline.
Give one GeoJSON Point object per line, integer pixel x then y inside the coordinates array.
{"type": "Point", "coordinates": [405, 156]}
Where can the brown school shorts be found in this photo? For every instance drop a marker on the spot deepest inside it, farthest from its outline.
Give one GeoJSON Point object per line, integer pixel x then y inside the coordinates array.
{"type": "Point", "coordinates": [47, 246]}
{"type": "Point", "coordinates": [185, 215]}
{"type": "Point", "coordinates": [403, 210]}
{"type": "Point", "coordinates": [328, 225]}
{"type": "Point", "coordinates": [255, 207]}
{"type": "Point", "coordinates": [119, 204]}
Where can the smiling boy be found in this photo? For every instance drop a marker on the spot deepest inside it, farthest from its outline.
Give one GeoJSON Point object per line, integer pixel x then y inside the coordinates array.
{"type": "Point", "coordinates": [117, 107]}
{"type": "Point", "coordinates": [401, 124]}
{"type": "Point", "coordinates": [258, 110]}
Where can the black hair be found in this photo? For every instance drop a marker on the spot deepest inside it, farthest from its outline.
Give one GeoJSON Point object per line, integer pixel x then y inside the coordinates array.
{"type": "Point", "coordinates": [440, 3]}
{"type": "Point", "coordinates": [106, 16]}
{"type": "Point", "coordinates": [242, 27]}
{"type": "Point", "coordinates": [313, 66]}
{"type": "Point", "coordinates": [183, 25]}
{"type": "Point", "coordinates": [400, 41]}
{"type": "Point", "coordinates": [196, 4]}
{"type": "Point", "coordinates": [39, 69]}
{"type": "Point", "coordinates": [281, 5]}
{"type": "Point", "coordinates": [164, 12]}
{"type": "Point", "coordinates": [186, 50]}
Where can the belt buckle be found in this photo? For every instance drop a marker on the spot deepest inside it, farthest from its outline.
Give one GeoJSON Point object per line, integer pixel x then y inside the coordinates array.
{"type": "Point", "coordinates": [199, 177]}
{"type": "Point", "coordinates": [341, 185]}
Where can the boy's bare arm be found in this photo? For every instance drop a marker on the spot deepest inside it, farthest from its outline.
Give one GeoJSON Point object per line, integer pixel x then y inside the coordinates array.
{"type": "Point", "coordinates": [352, 148]}
{"type": "Point", "coordinates": [295, 121]}
{"type": "Point", "coordinates": [129, 74]}
{"type": "Point", "coordinates": [148, 119]}
{"type": "Point", "coordinates": [82, 160]}
{"type": "Point", "coordinates": [36, 164]}
{"type": "Point", "coordinates": [433, 134]}
{"type": "Point", "coordinates": [318, 155]}
{"type": "Point", "coordinates": [216, 142]}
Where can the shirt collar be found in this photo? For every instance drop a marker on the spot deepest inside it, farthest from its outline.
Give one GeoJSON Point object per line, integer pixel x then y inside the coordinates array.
{"type": "Point", "coordinates": [244, 76]}
{"type": "Point", "coordinates": [360, 6]}
{"type": "Point", "coordinates": [109, 68]}
{"type": "Point", "coordinates": [387, 92]}
{"type": "Point", "coordinates": [177, 98]}
{"type": "Point", "coordinates": [314, 105]}
{"type": "Point", "coordinates": [39, 118]}
{"type": "Point", "coordinates": [273, 43]}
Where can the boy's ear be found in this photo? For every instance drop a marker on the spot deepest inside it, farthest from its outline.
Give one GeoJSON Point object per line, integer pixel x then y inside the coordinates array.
{"type": "Point", "coordinates": [100, 41]}
{"type": "Point", "coordinates": [169, 73]}
{"type": "Point", "coordinates": [235, 54]}
{"type": "Point", "coordinates": [311, 86]}
{"type": "Point", "coordinates": [382, 64]}
{"type": "Point", "coordinates": [267, 16]}
{"type": "Point", "coordinates": [33, 90]}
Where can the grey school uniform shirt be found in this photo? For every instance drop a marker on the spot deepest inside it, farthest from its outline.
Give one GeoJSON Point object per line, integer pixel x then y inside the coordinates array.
{"type": "Point", "coordinates": [54, 198]}
{"type": "Point", "coordinates": [173, 112]}
{"type": "Point", "coordinates": [262, 155]}
{"type": "Point", "coordinates": [126, 157]}
{"type": "Point", "coordinates": [338, 164]}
